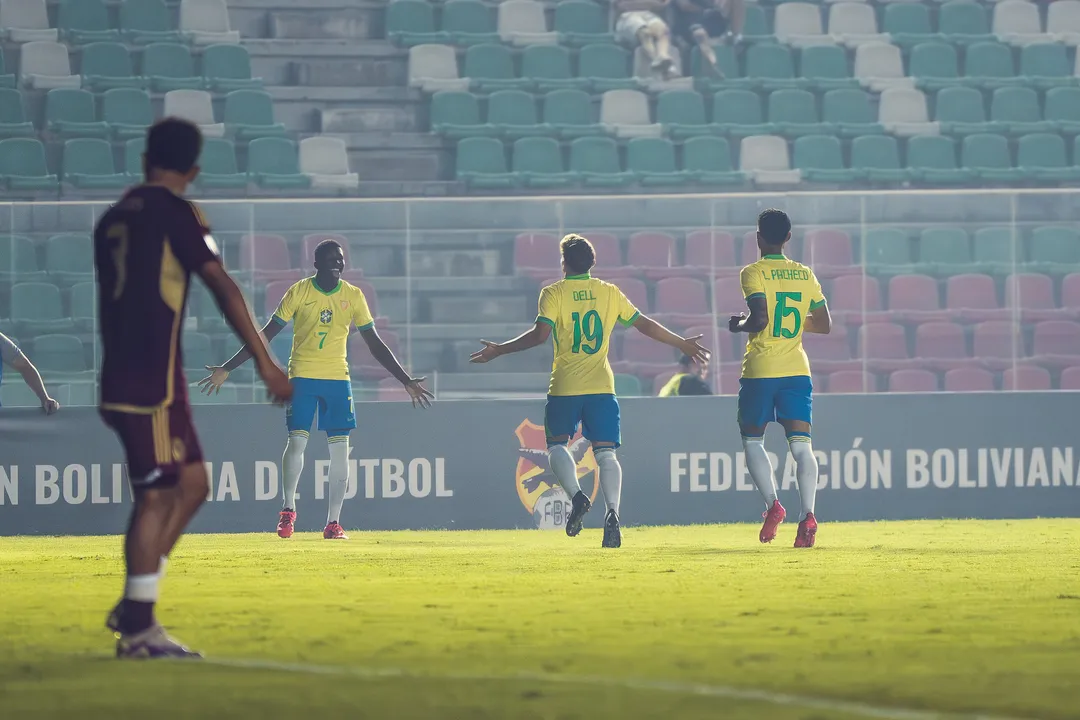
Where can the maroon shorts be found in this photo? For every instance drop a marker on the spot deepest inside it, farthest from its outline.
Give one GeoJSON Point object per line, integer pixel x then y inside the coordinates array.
{"type": "Point", "coordinates": [156, 444]}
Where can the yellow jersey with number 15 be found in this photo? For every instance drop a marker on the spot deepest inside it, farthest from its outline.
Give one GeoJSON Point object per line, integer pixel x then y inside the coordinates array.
{"type": "Point", "coordinates": [321, 323]}
{"type": "Point", "coordinates": [791, 291]}
{"type": "Point", "coordinates": [582, 312]}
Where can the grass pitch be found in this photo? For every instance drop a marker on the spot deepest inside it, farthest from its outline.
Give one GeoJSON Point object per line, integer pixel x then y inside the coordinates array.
{"type": "Point", "coordinates": [951, 617]}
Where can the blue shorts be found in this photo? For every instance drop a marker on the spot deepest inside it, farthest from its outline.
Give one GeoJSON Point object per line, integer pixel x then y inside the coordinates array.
{"type": "Point", "coordinates": [764, 400]}
{"type": "Point", "coordinates": [598, 416]}
{"type": "Point", "coordinates": [332, 399]}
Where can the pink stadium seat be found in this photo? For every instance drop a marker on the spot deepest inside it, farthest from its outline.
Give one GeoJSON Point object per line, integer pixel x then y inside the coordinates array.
{"type": "Point", "coordinates": [1032, 296]}
{"type": "Point", "coordinates": [536, 255]}
{"type": "Point", "coordinates": [854, 299]}
{"type": "Point", "coordinates": [726, 383]}
{"type": "Point", "coordinates": [884, 345]}
{"type": "Point", "coordinates": [728, 298]}
{"type": "Point", "coordinates": [828, 252]}
{"type": "Point", "coordinates": [750, 252]}
{"type": "Point", "coordinates": [851, 381]}
{"type": "Point", "coordinates": [913, 380]}
{"type": "Point", "coordinates": [1057, 343]}
{"type": "Point", "coordinates": [682, 301]}
{"type": "Point", "coordinates": [914, 298]}
{"type": "Point", "coordinates": [710, 252]}
{"type": "Point", "coordinates": [941, 345]}
{"type": "Point", "coordinates": [267, 258]}
{"type": "Point", "coordinates": [609, 258]}
{"type": "Point", "coordinates": [832, 352]}
{"type": "Point", "coordinates": [969, 379]}
{"type": "Point", "coordinates": [360, 359]}
{"type": "Point", "coordinates": [274, 292]}
{"type": "Point", "coordinates": [369, 294]}
{"type": "Point", "coordinates": [1026, 377]}
{"type": "Point", "coordinates": [644, 357]}
{"type": "Point", "coordinates": [390, 390]}
{"type": "Point", "coordinates": [635, 291]}
{"type": "Point", "coordinates": [997, 344]}
{"type": "Point", "coordinates": [652, 251]}
{"type": "Point", "coordinates": [307, 256]}
{"type": "Point", "coordinates": [1070, 294]}
{"type": "Point", "coordinates": [1070, 378]}
{"type": "Point", "coordinates": [719, 340]}
{"type": "Point", "coordinates": [973, 298]}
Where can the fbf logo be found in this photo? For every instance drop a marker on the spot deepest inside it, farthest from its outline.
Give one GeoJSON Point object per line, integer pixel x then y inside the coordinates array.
{"type": "Point", "coordinates": [537, 487]}
{"type": "Point", "coordinates": [326, 316]}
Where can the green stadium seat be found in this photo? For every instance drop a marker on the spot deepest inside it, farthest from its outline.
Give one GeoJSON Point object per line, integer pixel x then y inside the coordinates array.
{"type": "Point", "coordinates": [962, 111]}
{"type": "Point", "coordinates": [1054, 251]}
{"type": "Point", "coordinates": [996, 250]}
{"type": "Point", "coordinates": [548, 66]}
{"type": "Point", "coordinates": [988, 155]}
{"type": "Point", "coordinates": [80, 394]}
{"type": "Point", "coordinates": [1063, 109]}
{"type": "Point", "coordinates": [227, 68]}
{"type": "Point", "coordinates": [538, 163]}
{"type": "Point", "coordinates": [990, 65]}
{"type": "Point", "coordinates": [877, 158]}
{"type": "Point", "coordinates": [756, 26]}
{"type": "Point", "coordinates": [887, 251]}
{"type": "Point", "coordinates": [513, 114]}
{"type": "Point", "coordinates": [412, 22]}
{"type": "Point", "coordinates": [133, 151]}
{"type": "Point", "coordinates": [794, 112]}
{"type": "Point", "coordinates": [944, 251]}
{"type": "Point", "coordinates": [481, 163]}
{"type": "Point", "coordinates": [71, 113]}
{"type": "Point", "coordinates": [571, 114]}
{"type": "Point", "coordinates": [772, 67]}
{"type": "Point", "coordinates": [581, 23]}
{"type": "Point", "coordinates": [727, 62]}
{"type": "Point", "coordinates": [1046, 65]}
{"type": "Point", "coordinates": [934, 65]}
{"type": "Point", "coordinates": [128, 112]}
{"type": "Point", "coordinates": [932, 160]}
{"type": "Point", "coordinates": [16, 394]}
{"type": "Point", "coordinates": [627, 386]}
{"type": "Point", "coordinates": [1042, 156]}
{"type": "Point", "coordinates": [60, 355]}
{"type": "Point", "coordinates": [490, 67]}
{"type": "Point", "coordinates": [273, 162]}
{"type": "Point", "coordinates": [908, 24]}
{"type": "Point", "coordinates": [218, 168]}
{"type": "Point", "coordinates": [88, 165]}
{"type": "Point", "coordinates": [13, 121]}
{"type": "Point", "coordinates": [147, 21]}
{"type": "Point", "coordinates": [84, 302]}
{"type": "Point", "coordinates": [607, 67]}
{"type": "Point", "coordinates": [468, 22]}
{"type": "Point", "coordinates": [826, 67]}
{"type": "Point", "coordinates": [169, 66]}
{"type": "Point", "coordinates": [250, 114]}
{"type": "Point", "coordinates": [69, 259]}
{"type": "Point", "coordinates": [36, 308]}
{"type": "Point", "coordinates": [456, 115]}
{"type": "Point", "coordinates": [23, 166]}
{"type": "Point", "coordinates": [820, 159]}
{"type": "Point", "coordinates": [1018, 108]}
{"type": "Point", "coordinates": [682, 113]}
{"type": "Point", "coordinates": [652, 160]}
{"type": "Point", "coordinates": [85, 21]}
{"type": "Point", "coordinates": [198, 351]}
{"type": "Point", "coordinates": [708, 160]}
{"type": "Point", "coordinates": [7, 80]}
{"type": "Point", "coordinates": [107, 65]}
{"type": "Point", "coordinates": [963, 22]}
{"type": "Point", "coordinates": [738, 113]}
{"type": "Point", "coordinates": [850, 112]}
{"type": "Point", "coordinates": [18, 259]}
{"type": "Point", "coordinates": [597, 161]}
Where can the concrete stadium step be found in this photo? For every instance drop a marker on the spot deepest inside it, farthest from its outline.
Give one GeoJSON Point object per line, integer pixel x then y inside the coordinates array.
{"type": "Point", "coordinates": [350, 19]}
{"type": "Point", "coordinates": [328, 63]}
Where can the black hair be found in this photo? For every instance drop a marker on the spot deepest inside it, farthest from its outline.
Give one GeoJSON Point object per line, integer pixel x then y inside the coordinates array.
{"type": "Point", "coordinates": [685, 360]}
{"type": "Point", "coordinates": [578, 254]}
{"type": "Point", "coordinates": [326, 245]}
{"type": "Point", "coordinates": [774, 226]}
{"type": "Point", "coordinates": [173, 144]}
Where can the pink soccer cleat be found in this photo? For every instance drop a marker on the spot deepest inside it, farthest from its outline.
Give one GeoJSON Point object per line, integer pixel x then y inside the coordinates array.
{"type": "Point", "coordinates": [334, 531]}
{"type": "Point", "coordinates": [773, 518]}
{"type": "Point", "coordinates": [285, 523]}
{"type": "Point", "coordinates": [807, 532]}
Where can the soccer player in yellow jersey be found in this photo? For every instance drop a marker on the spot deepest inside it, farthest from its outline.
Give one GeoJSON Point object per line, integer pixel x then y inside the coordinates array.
{"type": "Point", "coordinates": [579, 313]}
{"type": "Point", "coordinates": [323, 309]}
{"type": "Point", "coordinates": [785, 300]}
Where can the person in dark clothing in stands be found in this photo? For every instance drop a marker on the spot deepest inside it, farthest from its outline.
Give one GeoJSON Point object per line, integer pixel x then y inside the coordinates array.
{"type": "Point", "coordinates": [690, 380]}
{"type": "Point", "coordinates": [704, 22]}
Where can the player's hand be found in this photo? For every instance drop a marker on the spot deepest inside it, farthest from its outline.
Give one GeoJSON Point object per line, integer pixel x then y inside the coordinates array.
{"type": "Point", "coordinates": [212, 383]}
{"type": "Point", "coordinates": [278, 387]}
{"type": "Point", "coordinates": [421, 396]}
{"type": "Point", "coordinates": [49, 406]}
{"type": "Point", "coordinates": [733, 322]}
{"type": "Point", "coordinates": [690, 346]}
{"type": "Point", "coordinates": [489, 352]}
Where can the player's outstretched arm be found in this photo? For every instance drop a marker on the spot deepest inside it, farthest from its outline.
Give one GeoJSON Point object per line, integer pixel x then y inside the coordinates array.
{"type": "Point", "coordinates": [421, 396]}
{"type": "Point", "coordinates": [536, 335]}
{"type": "Point", "coordinates": [655, 331]}
{"type": "Point", "coordinates": [236, 312]}
{"type": "Point", "coordinates": [756, 321]}
{"type": "Point", "coordinates": [33, 380]}
{"type": "Point", "coordinates": [819, 321]}
{"type": "Point", "coordinates": [220, 373]}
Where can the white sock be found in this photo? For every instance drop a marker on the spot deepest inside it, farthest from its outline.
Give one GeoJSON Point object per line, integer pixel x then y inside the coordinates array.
{"type": "Point", "coordinates": [562, 464]}
{"type": "Point", "coordinates": [610, 477]}
{"type": "Point", "coordinates": [760, 467]}
{"type": "Point", "coordinates": [142, 588]}
{"type": "Point", "coordinates": [292, 464]}
{"type": "Point", "coordinates": [806, 471]}
{"type": "Point", "coordinates": [339, 476]}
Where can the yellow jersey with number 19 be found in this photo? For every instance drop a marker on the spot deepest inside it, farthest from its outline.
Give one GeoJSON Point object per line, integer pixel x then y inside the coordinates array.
{"type": "Point", "coordinates": [582, 311]}
{"type": "Point", "coordinates": [791, 291]}
{"type": "Point", "coordinates": [321, 322]}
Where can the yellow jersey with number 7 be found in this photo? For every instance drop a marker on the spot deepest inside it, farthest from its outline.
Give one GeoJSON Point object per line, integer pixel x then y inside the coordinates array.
{"type": "Point", "coordinates": [791, 291]}
{"type": "Point", "coordinates": [582, 312]}
{"type": "Point", "coordinates": [321, 323]}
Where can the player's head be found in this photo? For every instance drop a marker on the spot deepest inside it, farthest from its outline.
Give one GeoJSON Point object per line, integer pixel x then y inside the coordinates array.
{"type": "Point", "coordinates": [172, 152]}
{"type": "Point", "coordinates": [773, 230]}
{"type": "Point", "coordinates": [578, 255]}
{"type": "Point", "coordinates": [692, 366]}
{"type": "Point", "coordinates": [330, 258]}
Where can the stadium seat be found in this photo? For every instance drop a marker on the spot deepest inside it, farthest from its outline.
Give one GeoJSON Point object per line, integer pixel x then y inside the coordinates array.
{"type": "Point", "coordinates": [941, 345]}
{"type": "Point", "coordinates": [206, 22]}
{"type": "Point", "coordinates": [1070, 376]}
{"type": "Point", "coordinates": [655, 253]}
{"type": "Point", "coordinates": [18, 259]}
{"type": "Point", "coordinates": [997, 344]}
{"type": "Point", "coordinates": [996, 251]}
{"type": "Point", "coordinates": [22, 164]}
{"type": "Point", "coordinates": [989, 65]}
{"type": "Point", "coordinates": [26, 21]}
{"type": "Point", "coordinates": [854, 23]}
{"type": "Point", "coordinates": [13, 120]}
{"type": "Point", "coordinates": [548, 67]}
{"type": "Point", "coordinates": [249, 114]}
{"type": "Point", "coordinates": [627, 385]}
{"type": "Point", "coordinates": [912, 381]}
{"type": "Point", "coordinates": [819, 159]}
{"type": "Point", "coordinates": [597, 160]}
{"type": "Point", "coordinates": [828, 251]}
{"type": "Point", "coordinates": [1018, 108]}
{"type": "Point", "coordinates": [196, 106]}
{"type": "Point", "coordinates": [643, 357]}
{"type": "Point", "coordinates": [170, 66]}
{"type": "Point", "coordinates": [825, 67]}
{"type": "Point", "coordinates": [512, 114]}
{"type": "Point", "coordinates": [682, 113]}
{"type": "Point", "coordinates": [7, 80]}
{"type": "Point", "coordinates": [69, 259]}
{"type": "Point", "coordinates": [456, 114]}
{"type": "Point", "coordinates": [708, 160]}
{"type": "Point", "coordinates": [522, 22]}
{"type": "Point", "coordinates": [880, 66]}
{"type": "Point", "coordinates": [738, 113]}
{"type": "Point", "coordinates": [934, 65]}
{"type": "Point", "coordinates": [1046, 66]}
{"type": "Point", "coordinates": [198, 352]}
{"type": "Point", "coordinates": [832, 352]}
{"type": "Point", "coordinates": [467, 22]}
{"type": "Point", "coordinates": [46, 65]}
{"type": "Point", "coordinates": [412, 22]}
{"type": "Point", "coordinates": [85, 21]}
{"type": "Point", "coordinates": [1017, 22]}
{"type": "Point", "coordinates": [932, 159]}
{"type": "Point", "coordinates": [127, 112]}
{"type": "Point", "coordinates": [60, 354]}
{"type": "Point", "coordinates": [794, 112]}
{"type": "Point", "coordinates": [877, 158]}
{"type": "Point", "coordinates": [536, 255]}
{"type": "Point", "coordinates": [973, 298]}
{"type": "Point", "coordinates": [798, 24]}
{"type": "Point", "coordinates": [1056, 343]}
{"type": "Point", "coordinates": [757, 28]}
{"type": "Point", "coordinates": [850, 112]}
{"type": "Point", "coordinates": [605, 67]}
{"type": "Point", "coordinates": [36, 308]}
{"type": "Point", "coordinates": [727, 296]}
{"type": "Point", "coordinates": [1031, 296]}
{"type": "Point", "coordinates": [570, 113]}
{"type": "Point", "coordinates": [267, 258]}
{"type": "Point", "coordinates": [709, 252]}
{"type": "Point", "coordinates": [908, 24]}
{"type": "Point", "coordinates": [914, 299]}
{"type": "Point", "coordinates": [988, 156]}
{"type": "Point", "coordinates": [1054, 250]}
{"type": "Point", "coordinates": [608, 254]}
{"type": "Point", "coordinates": [963, 22]}
{"type": "Point", "coordinates": [88, 165]}
{"type": "Point", "coordinates": [538, 163]}
{"type": "Point", "coordinates": [434, 67]}
{"type": "Point", "coordinates": [1063, 21]}
{"type": "Point", "coordinates": [626, 114]}
{"type": "Point", "coordinates": [855, 299]}
{"type": "Point", "coordinates": [582, 23]}
{"type": "Point", "coordinates": [481, 163]}
{"type": "Point", "coordinates": [765, 159]}
{"type": "Point", "coordinates": [1070, 293]}
{"type": "Point", "coordinates": [107, 65]}
{"type": "Point", "coordinates": [71, 113]}
{"type": "Point", "coordinates": [772, 67]}
{"type": "Point", "coordinates": [1042, 157]}
{"type": "Point", "coordinates": [944, 251]}
{"type": "Point", "coordinates": [727, 62]}
{"type": "Point", "coordinates": [217, 166]}
{"type": "Point", "coordinates": [902, 111]}
{"type": "Point", "coordinates": [147, 21]}
{"type": "Point", "coordinates": [682, 301]}
{"type": "Point", "coordinates": [652, 160]}
{"type": "Point", "coordinates": [227, 68]}
{"type": "Point", "coordinates": [969, 379]}
{"type": "Point", "coordinates": [326, 161]}
{"type": "Point", "coordinates": [887, 251]}
{"type": "Point", "coordinates": [274, 162]}
{"type": "Point", "coordinates": [1063, 109]}
{"type": "Point", "coordinates": [850, 381]}
{"type": "Point", "coordinates": [490, 67]}
{"type": "Point", "coordinates": [275, 291]}
{"type": "Point", "coordinates": [1028, 378]}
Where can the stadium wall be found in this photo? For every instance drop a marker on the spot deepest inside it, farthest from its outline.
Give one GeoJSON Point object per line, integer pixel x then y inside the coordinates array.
{"type": "Point", "coordinates": [469, 465]}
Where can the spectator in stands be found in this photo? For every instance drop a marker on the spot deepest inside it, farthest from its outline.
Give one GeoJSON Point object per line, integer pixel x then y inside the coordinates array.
{"type": "Point", "coordinates": [12, 356]}
{"type": "Point", "coordinates": [690, 380]}
{"type": "Point", "coordinates": [641, 22]}
{"type": "Point", "coordinates": [702, 22]}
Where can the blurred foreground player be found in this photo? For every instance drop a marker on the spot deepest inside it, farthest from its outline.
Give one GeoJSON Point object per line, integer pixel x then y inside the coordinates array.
{"type": "Point", "coordinates": [785, 300]}
{"type": "Point", "coordinates": [146, 247]}
{"type": "Point", "coordinates": [580, 312]}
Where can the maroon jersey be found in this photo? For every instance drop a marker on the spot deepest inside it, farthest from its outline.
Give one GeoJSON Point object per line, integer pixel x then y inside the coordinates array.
{"type": "Point", "coordinates": [145, 249]}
